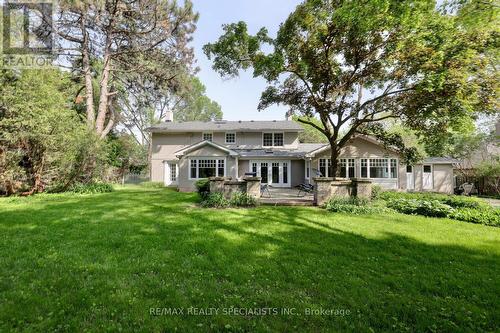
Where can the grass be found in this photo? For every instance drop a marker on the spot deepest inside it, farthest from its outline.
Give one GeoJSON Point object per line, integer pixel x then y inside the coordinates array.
{"type": "Point", "coordinates": [101, 262]}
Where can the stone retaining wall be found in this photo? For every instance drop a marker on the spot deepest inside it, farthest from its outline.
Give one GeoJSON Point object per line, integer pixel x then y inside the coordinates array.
{"type": "Point", "coordinates": [228, 186]}
{"type": "Point", "coordinates": [326, 187]}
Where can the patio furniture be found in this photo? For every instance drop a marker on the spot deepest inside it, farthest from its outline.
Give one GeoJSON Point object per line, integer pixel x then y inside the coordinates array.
{"type": "Point", "coordinates": [265, 188]}
{"type": "Point", "coordinates": [467, 188]}
{"type": "Point", "coordinates": [305, 188]}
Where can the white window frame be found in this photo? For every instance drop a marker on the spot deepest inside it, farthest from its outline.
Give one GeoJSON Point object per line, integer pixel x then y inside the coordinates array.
{"type": "Point", "coordinates": [216, 159]}
{"type": "Point", "coordinates": [273, 133]}
{"type": "Point", "coordinates": [346, 166]}
{"type": "Point", "coordinates": [269, 171]}
{"type": "Point", "coordinates": [211, 135]}
{"type": "Point", "coordinates": [368, 166]}
{"type": "Point", "coordinates": [225, 138]}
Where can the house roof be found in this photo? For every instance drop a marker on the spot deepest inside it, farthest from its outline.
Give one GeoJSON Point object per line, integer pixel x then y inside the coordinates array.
{"type": "Point", "coordinates": [440, 160]}
{"type": "Point", "coordinates": [325, 147]}
{"type": "Point", "coordinates": [200, 144]}
{"type": "Point", "coordinates": [226, 125]}
{"type": "Point", "coordinates": [300, 152]}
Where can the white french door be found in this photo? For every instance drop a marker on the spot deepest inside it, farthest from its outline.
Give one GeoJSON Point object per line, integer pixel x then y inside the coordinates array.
{"type": "Point", "coordinates": [171, 173]}
{"type": "Point", "coordinates": [273, 172]}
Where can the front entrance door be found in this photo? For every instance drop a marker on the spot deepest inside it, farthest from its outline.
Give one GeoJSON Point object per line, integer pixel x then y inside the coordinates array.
{"type": "Point", "coordinates": [273, 172]}
{"type": "Point", "coordinates": [410, 180]}
{"type": "Point", "coordinates": [171, 173]}
{"type": "Point", "coordinates": [427, 177]}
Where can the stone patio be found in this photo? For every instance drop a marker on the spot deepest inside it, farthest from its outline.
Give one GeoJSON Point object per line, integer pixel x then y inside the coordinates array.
{"type": "Point", "coordinates": [286, 197]}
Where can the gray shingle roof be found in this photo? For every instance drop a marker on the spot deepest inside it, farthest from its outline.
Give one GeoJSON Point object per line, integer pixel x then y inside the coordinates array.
{"type": "Point", "coordinates": [302, 149]}
{"type": "Point", "coordinates": [226, 125]}
{"type": "Point", "coordinates": [440, 160]}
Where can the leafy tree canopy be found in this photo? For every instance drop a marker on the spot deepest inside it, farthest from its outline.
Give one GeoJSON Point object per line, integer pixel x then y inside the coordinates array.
{"type": "Point", "coordinates": [355, 63]}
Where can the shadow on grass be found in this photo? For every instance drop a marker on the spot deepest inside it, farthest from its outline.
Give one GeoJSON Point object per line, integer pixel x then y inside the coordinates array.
{"type": "Point", "coordinates": [101, 262]}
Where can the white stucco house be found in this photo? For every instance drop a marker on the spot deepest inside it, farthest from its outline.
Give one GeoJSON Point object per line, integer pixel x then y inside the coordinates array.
{"type": "Point", "coordinates": [185, 152]}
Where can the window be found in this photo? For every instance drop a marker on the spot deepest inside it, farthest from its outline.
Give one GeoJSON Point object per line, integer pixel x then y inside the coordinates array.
{"type": "Point", "coordinates": [207, 167]}
{"type": "Point", "coordinates": [427, 169]}
{"type": "Point", "coordinates": [194, 168]}
{"type": "Point", "coordinates": [379, 168]}
{"type": "Point", "coordinates": [207, 136]}
{"type": "Point", "coordinates": [278, 139]}
{"type": "Point", "coordinates": [272, 140]}
{"type": "Point", "coordinates": [308, 167]}
{"type": "Point", "coordinates": [220, 166]}
{"type": "Point", "coordinates": [324, 167]}
{"type": "Point", "coordinates": [409, 169]}
{"type": "Point", "coordinates": [267, 140]}
{"type": "Point", "coordinates": [285, 173]}
{"type": "Point", "coordinates": [364, 168]}
{"type": "Point", "coordinates": [394, 172]}
{"type": "Point", "coordinates": [346, 168]}
{"type": "Point", "coordinates": [230, 137]}
{"type": "Point", "coordinates": [173, 172]}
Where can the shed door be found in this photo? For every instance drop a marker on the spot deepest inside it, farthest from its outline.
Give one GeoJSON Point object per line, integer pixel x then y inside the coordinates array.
{"type": "Point", "coordinates": [410, 180]}
{"type": "Point", "coordinates": [427, 177]}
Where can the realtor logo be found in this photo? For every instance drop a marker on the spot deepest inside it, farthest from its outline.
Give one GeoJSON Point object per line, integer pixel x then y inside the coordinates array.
{"type": "Point", "coordinates": [27, 27]}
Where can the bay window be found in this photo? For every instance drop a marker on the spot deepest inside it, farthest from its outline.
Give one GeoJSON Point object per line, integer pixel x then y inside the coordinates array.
{"type": "Point", "coordinates": [207, 167]}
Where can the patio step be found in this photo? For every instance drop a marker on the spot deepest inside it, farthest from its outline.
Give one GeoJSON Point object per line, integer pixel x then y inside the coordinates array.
{"type": "Point", "coordinates": [286, 202]}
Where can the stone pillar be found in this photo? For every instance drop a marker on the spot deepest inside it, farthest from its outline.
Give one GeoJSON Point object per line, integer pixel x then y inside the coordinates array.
{"type": "Point", "coordinates": [341, 188]}
{"type": "Point", "coordinates": [216, 184]}
{"type": "Point", "coordinates": [253, 186]}
{"type": "Point", "coordinates": [362, 188]}
{"type": "Point", "coordinates": [322, 190]}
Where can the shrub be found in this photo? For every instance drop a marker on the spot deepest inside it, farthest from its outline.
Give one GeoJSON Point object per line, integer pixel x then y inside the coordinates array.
{"type": "Point", "coordinates": [432, 208]}
{"type": "Point", "coordinates": [483, 216]}
{"type": "Point", "coordinates": [454, 201]}
{"type": "Point", "coordinates": [203, 187]}
{"type": "Point", "coordinates": [376, 191]}
{"type": "Point", "coordinates": [91, 188]}
{"type": "Point", "coordinates": [152, 184]}
{"type": "Point", "coordinates": [354, 206]}
{"type": "Point", "coordinates": [215, 200]}
{"type": "Point", "coordinates": [240, 199]}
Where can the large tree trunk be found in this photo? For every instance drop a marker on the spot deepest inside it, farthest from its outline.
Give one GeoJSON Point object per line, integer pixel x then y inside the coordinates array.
{"type": "Point", "coordinates": [334, 160]}
{"type": "Point", "coordinates": [89, 92]}
{"type": "Point", "coordinates": [104, 96]}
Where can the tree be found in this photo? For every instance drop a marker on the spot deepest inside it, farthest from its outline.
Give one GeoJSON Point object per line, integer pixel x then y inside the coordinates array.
{"type": "Point", "coordinates": [353, 64]}
{"type": "Point", "coordinates": [143, 105]}
{"type": "Point", "coordinates": [310, 134]}
{"type": "Point", "coordinates": [110, 41]}
{"type": "Point", "coordinates": [42, 140]}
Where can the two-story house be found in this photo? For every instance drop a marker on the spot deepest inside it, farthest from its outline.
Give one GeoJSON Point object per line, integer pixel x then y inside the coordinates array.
{"type": "Point", "coordinates": [184, 152]}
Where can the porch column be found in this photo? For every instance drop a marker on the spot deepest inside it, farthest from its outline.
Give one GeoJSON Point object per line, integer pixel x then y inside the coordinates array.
{"type": "Point", "coordinates": [322, 190]}
{"type": "Point", "coordinates": [253, 186]}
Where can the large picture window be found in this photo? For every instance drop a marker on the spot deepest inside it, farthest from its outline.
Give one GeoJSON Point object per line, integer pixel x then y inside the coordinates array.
{"type": "Point", "coordinates": [207, 167]}
{"type": "Point", "coordinates": [379, 168]}
{"type": "Point", "coordinates": [272, 139]}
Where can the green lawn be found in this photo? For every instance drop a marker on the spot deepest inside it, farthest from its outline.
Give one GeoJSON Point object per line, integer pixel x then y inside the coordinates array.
{"type": "Point", "coordinates": [101, 262]}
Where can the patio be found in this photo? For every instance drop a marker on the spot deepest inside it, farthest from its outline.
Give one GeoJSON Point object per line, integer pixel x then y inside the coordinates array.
{"type": "Point", "coordinates": [286, 197]}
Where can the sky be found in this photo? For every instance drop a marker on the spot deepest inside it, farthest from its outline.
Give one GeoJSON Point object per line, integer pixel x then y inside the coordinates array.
{"type": "Point", "coordinates": [238, 97]}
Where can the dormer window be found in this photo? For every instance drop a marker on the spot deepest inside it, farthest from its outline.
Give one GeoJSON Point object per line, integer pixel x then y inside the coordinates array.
{"type": "Point", "coordinates": [206, 136]}
{"type": "Point", "coordinates": [230, 138]}
{"type": "Point", "coordinates": [272, 139]}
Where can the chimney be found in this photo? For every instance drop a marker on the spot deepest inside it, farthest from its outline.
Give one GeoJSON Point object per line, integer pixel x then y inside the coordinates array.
{"type": "Point", "coordinates": [288, 115]}
{"type": "Point", "coordinates": [169, 116]}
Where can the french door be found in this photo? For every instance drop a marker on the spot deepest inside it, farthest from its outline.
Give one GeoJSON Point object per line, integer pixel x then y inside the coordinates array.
{"type": "Point", "coordinates": [273, 172]}
{"type": "Point", "coordinates": [171, 173]}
